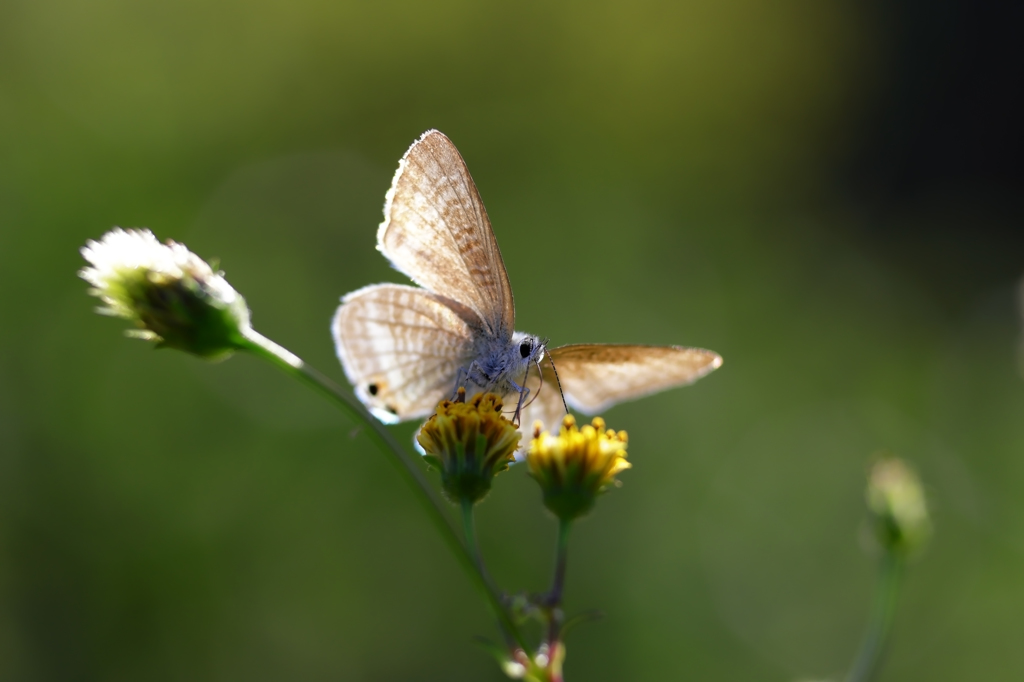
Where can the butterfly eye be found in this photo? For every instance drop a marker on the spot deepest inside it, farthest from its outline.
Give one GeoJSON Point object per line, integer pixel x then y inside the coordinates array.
{"type": "Point", "coordinates": [525, 348]}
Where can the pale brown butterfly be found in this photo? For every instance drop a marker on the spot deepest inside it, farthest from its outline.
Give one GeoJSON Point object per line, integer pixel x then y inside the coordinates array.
{"type": "Point", "coordinates": [406, 348]}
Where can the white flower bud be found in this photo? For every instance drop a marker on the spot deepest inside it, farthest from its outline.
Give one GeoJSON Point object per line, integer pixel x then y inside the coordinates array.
{"type": "Point", "coordinates": [172, 295]}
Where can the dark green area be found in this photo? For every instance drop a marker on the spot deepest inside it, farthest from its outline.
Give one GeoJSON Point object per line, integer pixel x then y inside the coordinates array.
{"type": "Point", "coordinates": [691, 173]}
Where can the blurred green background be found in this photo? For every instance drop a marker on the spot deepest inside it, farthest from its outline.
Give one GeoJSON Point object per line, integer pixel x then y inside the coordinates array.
{"type": "Point", "coordinates": [826, 193]}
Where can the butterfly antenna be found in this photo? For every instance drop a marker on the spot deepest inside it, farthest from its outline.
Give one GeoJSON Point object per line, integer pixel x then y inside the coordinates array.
{"type": "Point", "coordinates": [558, 381]}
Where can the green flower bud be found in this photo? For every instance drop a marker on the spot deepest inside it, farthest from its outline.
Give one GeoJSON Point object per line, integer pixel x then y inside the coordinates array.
{"type": "Point", "coordinates": [897, 504]}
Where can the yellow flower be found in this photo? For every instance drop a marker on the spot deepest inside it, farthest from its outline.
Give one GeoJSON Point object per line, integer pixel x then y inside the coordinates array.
{"type": "Point", "coordinates": [172, 295]}
{"type": "Point", "coordinates": [576, 465]}
{"type": "Point", "coordinates": [469, 443]}
{"type": "Point", "coordinates": [897, 504]}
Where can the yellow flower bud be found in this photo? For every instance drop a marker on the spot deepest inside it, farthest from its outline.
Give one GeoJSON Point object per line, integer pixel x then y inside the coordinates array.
{"type": "Point", "coordinates": [575, 465]}
{"type": "Point", "coordinates": [469, 443]}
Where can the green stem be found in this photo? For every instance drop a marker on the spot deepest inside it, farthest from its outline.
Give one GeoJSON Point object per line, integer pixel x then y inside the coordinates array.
{"type": "Point", "coordinates": [561, 562]}
{"type": "Point", "coordinates": [469, 531]}
{"type": "Point", "coordinates": [554, 599]}
{"type": "Point", "coordinates": [259, 345]}
{"type": "Point", "coordinates": [883, 606]}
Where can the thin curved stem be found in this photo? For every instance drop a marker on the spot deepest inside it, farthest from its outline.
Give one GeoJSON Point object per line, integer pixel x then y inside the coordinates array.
{"type": "Point", "coordinates": [469, 531]}
{"type": "Point", "coordinates": [259, 345]}
{"type": "Point", "coordinates": [883, 607]}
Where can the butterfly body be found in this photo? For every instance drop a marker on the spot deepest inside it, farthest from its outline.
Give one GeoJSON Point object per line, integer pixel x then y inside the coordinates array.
{"type": "Point", "coordinates": [405, 348]}
{"type": "Point", "coordinates": [500, 365]}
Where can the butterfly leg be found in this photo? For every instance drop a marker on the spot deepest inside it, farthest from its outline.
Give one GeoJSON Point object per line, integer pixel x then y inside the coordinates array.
{"type": "Point", "coordinates": [524, 392]}
{"type": "Point", "coordinates": [474, 380]}
{"type": "Point", "coordinates": [460, 381]}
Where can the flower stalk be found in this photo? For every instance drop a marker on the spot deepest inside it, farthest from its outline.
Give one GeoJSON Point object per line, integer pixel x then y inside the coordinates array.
{"type": "Point", "coordinates": [561, 562]}
{"type": "Point", "coordinates": [554, 598]}
{"type": "Point", "coordinates": [883, 608]}
{"type": "Point", "coordinates": [266, 349]}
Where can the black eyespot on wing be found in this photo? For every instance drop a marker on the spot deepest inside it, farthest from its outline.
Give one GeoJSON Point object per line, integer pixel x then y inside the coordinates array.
{"type": "Point", "coordinates": [372, 389]}
{"type": "Point", "coordinates": [525, 348]}
{"type": "Point", "coordinates": [391, 409]}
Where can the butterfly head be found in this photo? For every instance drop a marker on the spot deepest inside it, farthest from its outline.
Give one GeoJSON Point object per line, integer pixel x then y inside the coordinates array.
{"type": "Point", "coordinates": [530, 348]}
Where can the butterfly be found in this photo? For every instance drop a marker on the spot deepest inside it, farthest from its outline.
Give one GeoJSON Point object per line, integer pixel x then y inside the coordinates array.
{"type": "Point", "coordinates": [406, 348]}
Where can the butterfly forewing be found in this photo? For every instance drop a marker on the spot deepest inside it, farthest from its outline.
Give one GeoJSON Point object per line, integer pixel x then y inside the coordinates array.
{"type": "Point", "coordinates": [401, 347]}
{"type": "Point", "coordinates": [596, 376]}
{"type": "Point", "coordinates": [436, 231]}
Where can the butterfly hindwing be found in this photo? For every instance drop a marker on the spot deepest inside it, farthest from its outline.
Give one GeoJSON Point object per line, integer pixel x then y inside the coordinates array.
{"type": "Point", "coordinates": [401, 348]}
{"type": "Point", "coordinates": [436, 231]}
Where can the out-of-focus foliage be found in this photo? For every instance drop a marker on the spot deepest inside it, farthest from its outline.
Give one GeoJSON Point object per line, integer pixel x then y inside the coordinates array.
{"type": "Point", "coordinates": [822, 192]}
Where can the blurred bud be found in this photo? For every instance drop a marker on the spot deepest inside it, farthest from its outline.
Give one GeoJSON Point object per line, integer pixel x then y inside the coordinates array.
{"type": "Point", "coordinates": [576, 465]}
{"type": "Point", "coordinates": [549, 660]}
{"type": "Point", "coordinates": [544, 666]}
{"type": "Point", "coordinates": [513, 669]}
{"type": "Point", "coordinates": [470, 443]}
{"type": "Point", "coordinates": [896, 501]}
{"type": "Point", "coordinates": [172, 295]}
